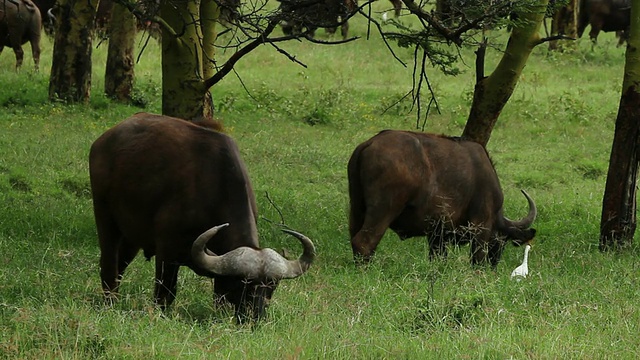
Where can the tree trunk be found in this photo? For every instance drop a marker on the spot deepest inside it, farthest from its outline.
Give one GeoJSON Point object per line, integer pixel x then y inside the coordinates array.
{"type": "Point", "coordinates": [565, 22]}
{"type": "Point", "coordinates": [184, 94]}
{"type": "Point", "coordinates": [492, 93]}
{"type": "Point", "coordinates": [209, 15]}
{"type": "Point", "coordinates": [618, 222]}
{"type": "Point", "coordinates": [70, 79]}
{"type": "Point", "coordinates": [119, 72]}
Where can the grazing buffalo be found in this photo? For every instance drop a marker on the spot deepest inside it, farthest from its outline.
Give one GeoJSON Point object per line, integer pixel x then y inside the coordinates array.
{"type": "Point", "coordinates": [605, 15]}
{"type": "Point", "coordinates": [181, 192]}
{"type": "Point", "coordinates": [422, 184]}
{"type": "Point", "coordinates": [306, 16]}
{"type": "Point", "coordinates": [46, 12]}
{"type": "Point", "coordinates": [20, 23]}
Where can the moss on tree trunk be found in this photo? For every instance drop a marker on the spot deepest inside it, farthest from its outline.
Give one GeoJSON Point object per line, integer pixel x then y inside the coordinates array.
{"type": "Point", "coordinates": [119, 72]}
{"type": "Point", "coordinates": [70, 79]}
{"type": "Point", "coordinates": [184, 93]}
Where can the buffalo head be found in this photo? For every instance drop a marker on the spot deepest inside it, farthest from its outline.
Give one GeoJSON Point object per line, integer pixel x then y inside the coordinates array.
{"type": "Point", "coordinates": [261, 269]}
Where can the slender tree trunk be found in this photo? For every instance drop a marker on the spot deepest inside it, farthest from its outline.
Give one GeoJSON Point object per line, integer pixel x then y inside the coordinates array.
{"type": "Point", "coordinates": [119, 73]}
{"type": "Point", "coordinates": [184, 94]}
{"type": "Point", "coordinates": [492, 93]}
{"type": "Point", "coordinates": [618, 222]}
{"type": "Point", "coordinates": [70, 79]}
{"type": "Point", "coordinates": [565, 22]}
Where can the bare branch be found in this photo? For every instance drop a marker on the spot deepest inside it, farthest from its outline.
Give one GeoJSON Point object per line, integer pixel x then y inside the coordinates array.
{"type": "Point", "coordinates": [480, 56]}
{"type": "Point", "coordinates": [282, 223]}
{"type": "Point", "coordinates": [552, 38]}
{"type": "Point", "coordinates": [332, 42]}
{"type": "Point", "coordinates": [291, 57]}
{"type": "Point", "coordinates": [371, 20]}
{"type": "Point", "coordinates": [231, 62]}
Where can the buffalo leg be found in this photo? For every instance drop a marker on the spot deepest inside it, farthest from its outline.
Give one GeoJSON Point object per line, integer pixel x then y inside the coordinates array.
{"type": "Point", "coordinates": [437, 241]}
{"type": "Point", "coordinates": [366, 240]}
{"type": "Point", "coordinates": [437, 248]}
{"type": "Point", "coordinates": [110, 240]}
{"type": "Point", "coordinates": [19, 56]}
{"type": "Point", "coordinates": [480, 246]}
{"type": "Point", "coordinates": [109, 269]}
{"type": "Point", "coordinates": [596, 26]}
{"type": "Point", "coordinates": [115, 253]}
{"type": "Point", "coordinates": [236, 292]}
{"type": "Point", "coordinates": [495, 251]}
{"type": "Point", "coordinates": [397, 6]}
{"type": "Point", "coordinates": [166, 282]}
{"type": "Point", "coordinates": [16, 43]}
{"type": "Point", "coordinates": [126, 254]}
{"type": "Point", "coordinates": [35, 51]}
{"type": "Point", "coordinates": [344, 29]}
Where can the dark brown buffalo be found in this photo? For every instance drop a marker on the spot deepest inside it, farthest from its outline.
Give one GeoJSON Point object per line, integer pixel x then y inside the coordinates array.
{"type": "Point", "coordinates": [306, 16]}
{"type": "Point", "coordinates": [20, 23]}
{"type": "Point", "coordinates": [167, 186]}
{"type": "Point", "coordinates": [420, 184]}
{"type": "Point", "coordinates": [46, 12]}
{"type": "Point", "coordinates": [605, 15]}
{"type": "Point", "coordinates": [397, 7]}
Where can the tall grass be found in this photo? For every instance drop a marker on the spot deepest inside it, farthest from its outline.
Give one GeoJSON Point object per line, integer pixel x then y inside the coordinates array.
{"type": "Point", "coordinates": [296, 128]}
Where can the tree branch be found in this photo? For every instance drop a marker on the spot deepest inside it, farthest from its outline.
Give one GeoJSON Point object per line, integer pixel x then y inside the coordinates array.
{"type": "Point", "coordinates": [480, 56]}
{"type": "Point", "coordinates": [291, 57]}
{"type": "Point", "coordinates": [552, 38]}
{"type": "Point", "coordinates": [228, 66]}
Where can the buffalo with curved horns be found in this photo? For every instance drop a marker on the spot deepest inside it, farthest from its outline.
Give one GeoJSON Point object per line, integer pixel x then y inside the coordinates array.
{"type": "Point", "coordinates": [165, 185]}
{"type": "Point", "coordinates": [420, 184]}
{"type": "Point", "coordinates": [20, 22]}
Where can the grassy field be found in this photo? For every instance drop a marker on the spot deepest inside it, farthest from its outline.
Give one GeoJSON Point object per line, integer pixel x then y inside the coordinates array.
{"type": "Point", "coordinates": [296, 128]}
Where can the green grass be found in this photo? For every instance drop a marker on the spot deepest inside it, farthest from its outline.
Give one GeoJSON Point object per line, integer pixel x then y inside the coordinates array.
{"type": "Point", "coordinates": [296, 128]}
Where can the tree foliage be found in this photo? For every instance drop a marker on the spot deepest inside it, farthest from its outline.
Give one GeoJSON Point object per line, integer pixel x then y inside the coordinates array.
{"type": "Point", "coordinates": [443, 30]}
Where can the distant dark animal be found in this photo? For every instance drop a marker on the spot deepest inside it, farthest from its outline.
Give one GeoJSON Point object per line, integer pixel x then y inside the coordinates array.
{"type": "Point", "coordinates": [181, 192]}
{"type": "Point", "coordinates": [20, 23]}
{"type": "Point", "coordinates": [306, 16]}
{"type": "Point", "coordinates": [46, 12]}
{"type": "Point", "coordinates": [397, 7]}
{"type": "Point", "coordinates": [420, 184]}
{"type": "Point", "coordinates": [103, 16]}
{"type": "Point", "coordinates": [605, 15]}
{"type": "Point", "coordinates": [49, 10]}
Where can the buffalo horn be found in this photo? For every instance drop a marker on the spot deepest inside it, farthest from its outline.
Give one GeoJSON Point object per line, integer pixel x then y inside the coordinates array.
{"type": "Point", "coordinates": [251, 263]}
{"type": "Point", "coordinates": [526, 221]}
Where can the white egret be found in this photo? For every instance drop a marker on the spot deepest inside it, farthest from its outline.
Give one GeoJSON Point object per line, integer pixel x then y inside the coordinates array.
{"type": "Point", "coordinates": [523, 270]}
